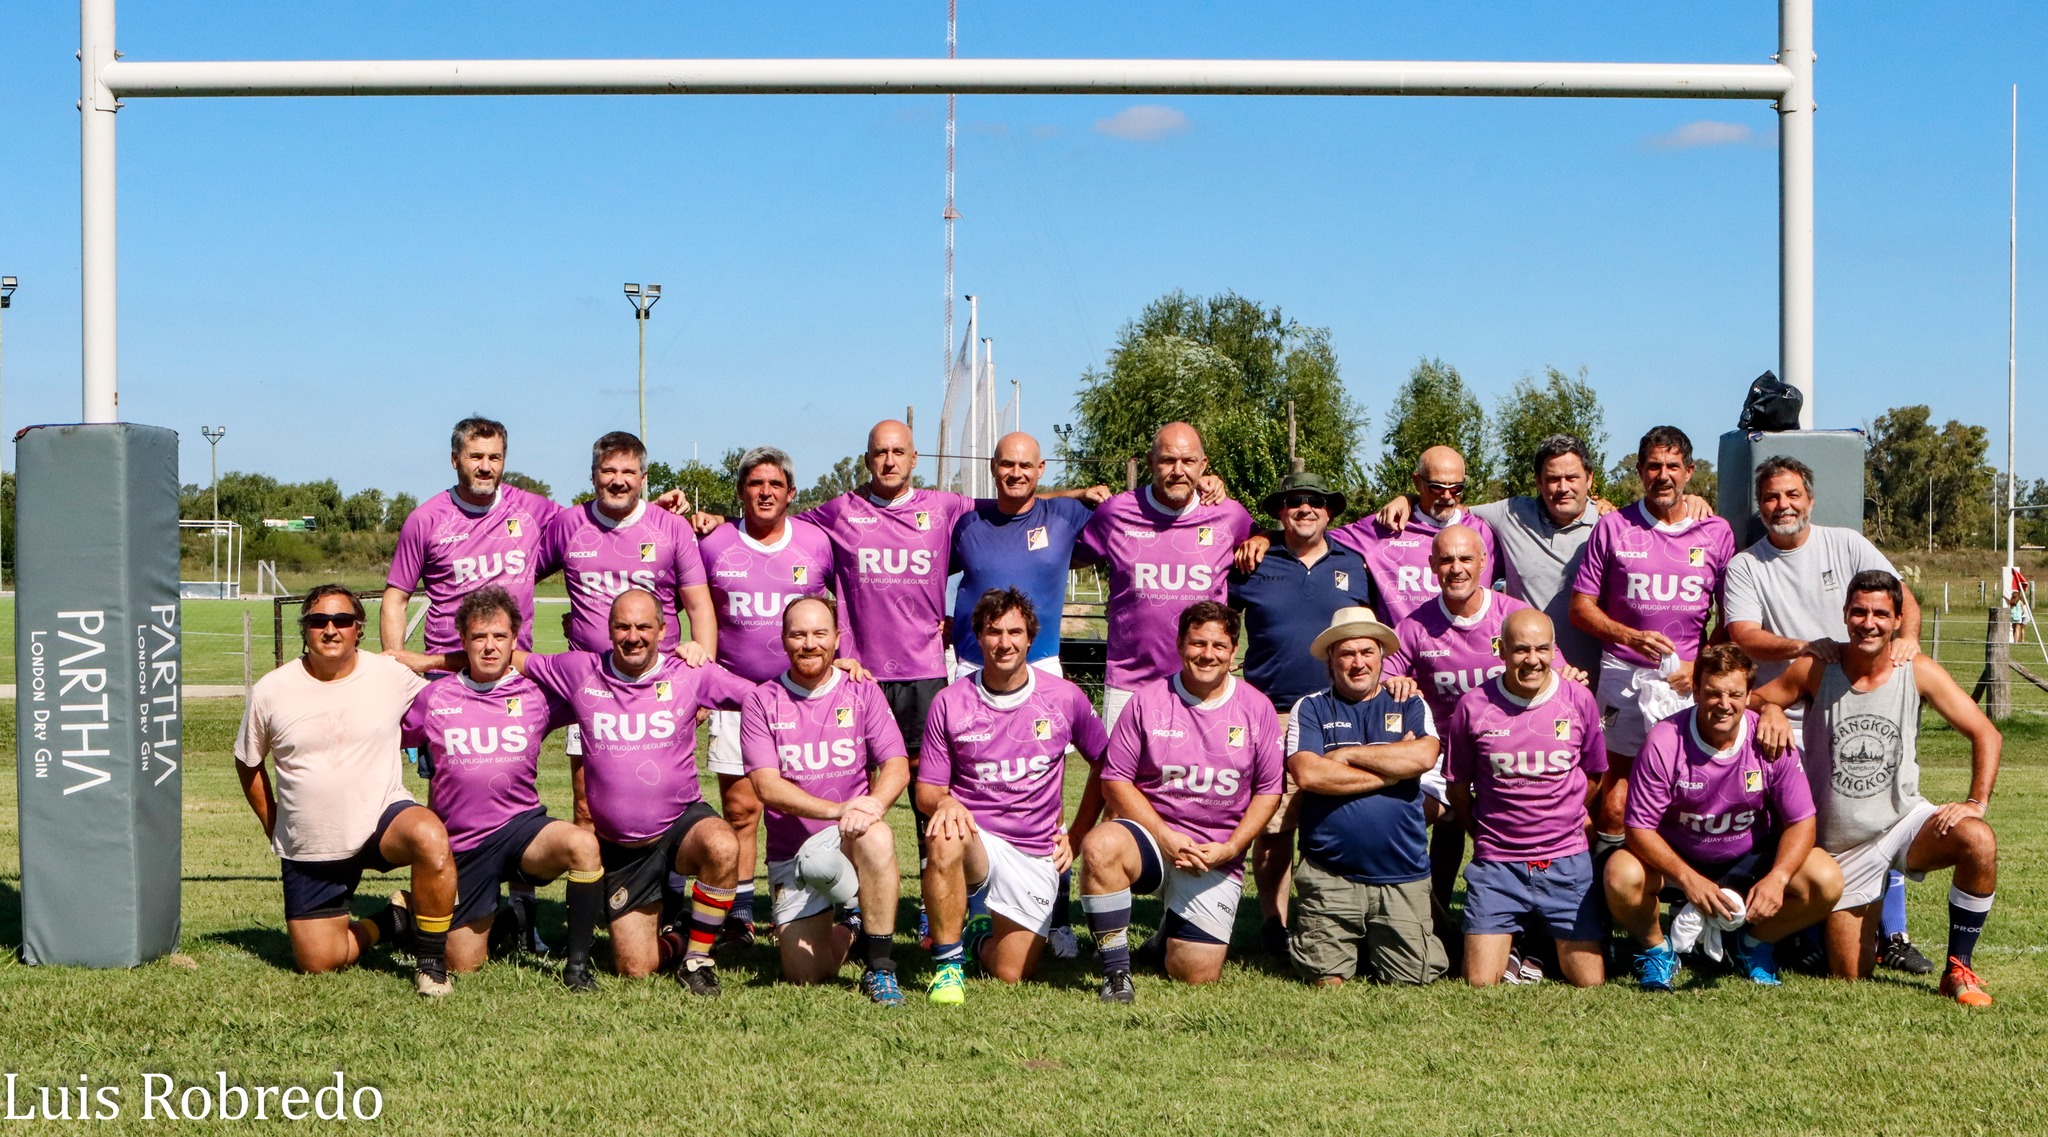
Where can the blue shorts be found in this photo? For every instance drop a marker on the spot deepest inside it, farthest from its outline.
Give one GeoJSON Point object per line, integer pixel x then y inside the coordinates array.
{"type": "Point", "coordinates": [1739, 874]}
{"type": "Point", "coordinates": [479, 871]}
{"type": "Point", "coordinates": [317, 889]}
{"type": "Point", "coordinates": [1503, 897]}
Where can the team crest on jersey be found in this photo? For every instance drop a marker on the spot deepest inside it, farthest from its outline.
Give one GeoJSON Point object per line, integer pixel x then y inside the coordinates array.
{"type": "Point", "coordinates": [647, 552]}
{"type": "Point", "coordinates": [843, 716]}
{"type": "Point", "coordinates": [924, 520]}
{"type": "Point", "coordinates": [1695, 556]}
{"type": "Point", "coordinates": [1205, 535]}
{"type": "Point", "coordinates": [662, 691]}
{"type": "Point", "coordinates": [512, 526]}
{"type": "Point", "coordinates": [1041, 729]}
{"type": "Point", "coordinates": [800, 574]}
{"type": "Point", "coordinates": [1493, 645]}
{"type": "Point", "coordinates": [512, 705]}
{"type": "Point", "coordinates": [1234, 736]}
{"type": "Point", "coordinates": [1753, 781]}
{"type": "Point", "coordinates": [1827, 578]}
{"type": "Point", "coordinates": [1036, 539]}
{"type": "Point", "coordinates": [1343, 580]}
{"type": "Point", "coordinates": [1390, 723]}
{"type": "Point", "coordinates": [1563, 727]}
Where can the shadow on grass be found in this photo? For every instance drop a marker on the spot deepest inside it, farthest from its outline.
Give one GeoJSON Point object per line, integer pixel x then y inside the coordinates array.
{"type": "Point", "coordinates": [273, 945]}
{"type": "Point", "coordinates": [10, 913]}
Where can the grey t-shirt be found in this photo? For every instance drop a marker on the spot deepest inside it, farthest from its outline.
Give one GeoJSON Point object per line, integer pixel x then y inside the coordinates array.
{"type": "Point", "coordinates": [1539, 560]}
{"type": "Point", "coordinates": [1797, 593]}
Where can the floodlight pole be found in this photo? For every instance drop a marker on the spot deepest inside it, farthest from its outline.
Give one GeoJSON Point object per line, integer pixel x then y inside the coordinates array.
{"type": "Point", "coordinates": [96, 107]}
{"type": "Point", "coordinates": [1795, 203]}
{"type": "Point", "coordinates": [643, 300]}
{"type": "Point", "coordinates": [213, 435]}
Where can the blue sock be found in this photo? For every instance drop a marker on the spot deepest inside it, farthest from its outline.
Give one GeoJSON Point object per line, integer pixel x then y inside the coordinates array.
{"type": "Point", "coordinates": [743, 903]}
{"type": "Point", "coordinates": [1063, 902]}
{"type": "Point", "coordinates": [977, 900]}
{"type": "Point", "coordinates": [1109, 921]}
{"type": "Point", "coordinates": [1966, 913]}
{"type": "Point", "coordinates": [1892, 921]}
{"type": "Point", "coordinates": [948, 952]}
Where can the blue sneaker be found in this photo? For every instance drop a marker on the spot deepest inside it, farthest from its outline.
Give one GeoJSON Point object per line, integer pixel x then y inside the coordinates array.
{"type": "Point", "coordinates": [881, 988]}
{"type": "Point", "coordinates": [1656, 968]}
{"type": "Point", "coordinates": [1760, 961]}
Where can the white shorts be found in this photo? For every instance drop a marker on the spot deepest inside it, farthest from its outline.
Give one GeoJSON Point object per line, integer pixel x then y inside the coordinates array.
{"type": "Point", "coordinates": [818, 877]}
{"type": "Point", "coordinates": [1020, 886]}
{"type": "Point", "coordinates": [955, 668]}
{"type": "Point", "coordinates": [1113, 700]}
{"type": "Point", "coordinates": [1208, 901]}
{"type": "Point", "coordinates": [723, 755]}
{"type": "Point", "coordinates": [1864, 866]}
{"type": "Point", "coordinates": [1622, 718]}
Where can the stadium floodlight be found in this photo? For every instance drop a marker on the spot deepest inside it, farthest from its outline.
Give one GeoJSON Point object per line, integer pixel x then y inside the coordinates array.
{"type": "Point", "coordinates": [643, 301]}
{"type": "Point", "coordinates": [7, 286]}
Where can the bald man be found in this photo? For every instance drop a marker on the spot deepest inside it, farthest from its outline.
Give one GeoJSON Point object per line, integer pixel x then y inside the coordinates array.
{"type": "Point", "coordinates": [1165, 549]}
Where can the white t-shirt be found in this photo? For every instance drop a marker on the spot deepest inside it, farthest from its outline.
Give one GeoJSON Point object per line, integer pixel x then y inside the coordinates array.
{"type": "Point", "coordinates": [1797, 593]}
{"type": "Point", "coordinates": [336, 748]}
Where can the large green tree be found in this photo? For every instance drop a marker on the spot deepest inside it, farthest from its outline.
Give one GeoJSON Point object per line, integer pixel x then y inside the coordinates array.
{"type": "Point", "coordinates": [710, 488]}
{"type": "Point", "coordinates": [1911, 465]}
{"type": "Point", "coordinates": [1532, 412]}
{"type": "Point", "coordinates": [1434, 408]}
{"type": "Point", "coordinates": [1229, 366]}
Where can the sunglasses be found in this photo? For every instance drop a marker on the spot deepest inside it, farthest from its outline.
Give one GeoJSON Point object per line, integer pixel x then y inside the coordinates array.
{"type": "Point", "coordinates": [1297, 500]}
{"type": "Point", "coordinates": [324, 619]}
{"type": "Point", "coordinates": [1455, 489]}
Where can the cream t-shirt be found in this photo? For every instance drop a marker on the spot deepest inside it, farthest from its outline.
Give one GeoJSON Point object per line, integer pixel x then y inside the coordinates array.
{"type": "Point", "coordinates": [337, 752]}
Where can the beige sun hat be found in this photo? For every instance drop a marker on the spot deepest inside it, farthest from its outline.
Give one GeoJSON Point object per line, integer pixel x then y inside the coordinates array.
{"type": "Point", "coordinates": [1349, 624]}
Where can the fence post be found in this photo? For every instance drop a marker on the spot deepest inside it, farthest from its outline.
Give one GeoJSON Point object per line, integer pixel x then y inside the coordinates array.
{"type": "Point", "coordinates": [1944, 596]}
{"type": "Point", "coordinates": [1936, 653]}
{"type": "Point", "coordinates": [1131, 474]}
{"type": "Point", "coordinates": [1996, 682]}
{"type": "Point", "coordinates": [248, 665]}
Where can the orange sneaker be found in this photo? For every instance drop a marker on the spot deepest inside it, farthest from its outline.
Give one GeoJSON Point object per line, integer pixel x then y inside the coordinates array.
{"type": "Point", "coordinates": [1962, 984]}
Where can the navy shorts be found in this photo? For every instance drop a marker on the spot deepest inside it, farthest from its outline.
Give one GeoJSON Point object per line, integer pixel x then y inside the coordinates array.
{"type": "Point", "coordinates": [1152, 878]}
{"type": "Point", "coordinates": [317, 889]}
{"type": "Point", "coordinates": [910, 701]}
{"type": "Point", "coordinates": [1503, 897]}
{"type": "Point", "coordinates": [1739, 874]}
{"type": "Point", "coordinates": [494, 861]}
{"type": "Point", "coordinates": [635, 876]}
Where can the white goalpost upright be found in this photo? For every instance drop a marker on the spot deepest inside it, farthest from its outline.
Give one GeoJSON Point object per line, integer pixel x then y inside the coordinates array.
{"type": "Point", "coordinates": [105, 79]}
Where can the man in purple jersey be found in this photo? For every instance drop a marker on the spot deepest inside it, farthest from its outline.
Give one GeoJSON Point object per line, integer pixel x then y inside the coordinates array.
{"type": "Point", "coordinates": [756, 564]}
{"type": "Point", "coordinates": [1650, 579]}
{"type": "Point", "coordinates": [825, 756]}
{"type": "Point", "coordinates": [1710, 814]}
{"type": "Point", "coordinates": [636, 785]}
{"type": "Point", "coordinates": [1524, 753]}
{"type": "Point", "coordinates": [993, 781]}
{"type": "Point", "coordinates": [484, 726]}
{"type": "Point", "coordinates": [1165, 549]}
{"type": "Point", "coordinates": [1193, 775]}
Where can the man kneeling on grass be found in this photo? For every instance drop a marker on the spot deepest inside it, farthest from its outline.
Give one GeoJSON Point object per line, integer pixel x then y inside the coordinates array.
{"type": "Point", "coordinates": [1193, 775]}
{"type": "Point", "coordinates": [826, 760]}
{"type": "Point", "coordinates": [483, 727]}
{"type": "Point", "coordinates": [1709, 813]}
{"type": "Point", "coordinates": [329, 720]}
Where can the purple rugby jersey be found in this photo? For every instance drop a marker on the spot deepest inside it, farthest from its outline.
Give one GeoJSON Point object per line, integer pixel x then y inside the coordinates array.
{"type": "Point", "coordinates": [454, 551]}
{"type": "Point", "coordinates": [1448, 656]}
{"type": "Point", "coordinates": [750, 585]}
{"type": "Point", "coordinates": [889, 566]}
{"type": "Point", "coordinates": [1528, 766]}
{"type": "Point", "coordinates": [651, 549]}
{"type": "Point", "coordinates": [1712, 807]}
{"type": "Point", "coordinates": [1198, 766]}
{"type": "Point", "coordinates": [1159, 563]}
{"type": "Point", "coordinates": [1004, 757]}
{"type": "Point", "coordinates": [639, 735]}
{"type": "Point", "coordinates": [827, 742]}
{"type": "Point", "coordinates": [1399, 562]}
{"type": "Point", "coordinates": [485, 741]}
{"type": "Point", "coordinates": [1655, 578]}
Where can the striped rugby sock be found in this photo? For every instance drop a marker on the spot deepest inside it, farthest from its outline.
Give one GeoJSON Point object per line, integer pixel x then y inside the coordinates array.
{"type": "Point", "coordinates": [708, 909]}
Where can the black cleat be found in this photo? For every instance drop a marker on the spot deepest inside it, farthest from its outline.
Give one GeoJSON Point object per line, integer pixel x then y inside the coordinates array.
{"type": "Point", "coordinates": [1151, 953]}
{"type": "Point", "coordinates": [699, 977]}
{"type": "Point", "coordinates": [1117, 987]}
{"type": "Point", "coordinates": [1273, 939]}
{"type": "Point", "coordinates": [1899, 954]}
{"type": "Point", "coordinates": [577, 977]}
{"type": "Point", "coordinates": [734, 934]}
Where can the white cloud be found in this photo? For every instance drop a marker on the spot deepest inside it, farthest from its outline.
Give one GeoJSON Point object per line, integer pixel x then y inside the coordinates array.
{"type": "Point", "coordinates": [1143, 123]}
{"type": "Point", "coordinates": [1694, 135]}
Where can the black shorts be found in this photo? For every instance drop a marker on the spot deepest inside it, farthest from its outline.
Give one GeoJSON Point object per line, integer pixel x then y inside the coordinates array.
{"type": "Point", "coordinates": [910, 700]}
{"type": "Point", "coordinates": [317, 889]}
{"type": "Point", "coordinates": [494, 861]}
{"type": "Point", "coordinates": [636, 875]}
{"type": "Point", "coordinates": [1738, 874]}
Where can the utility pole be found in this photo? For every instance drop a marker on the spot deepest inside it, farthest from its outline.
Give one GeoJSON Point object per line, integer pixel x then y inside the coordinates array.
{"type": "Point", "coordinates": [213, 435]}
{"type": "Point", "coordinates": [7, 287]}
{"type": "Point", "coordinates": [643, 301]}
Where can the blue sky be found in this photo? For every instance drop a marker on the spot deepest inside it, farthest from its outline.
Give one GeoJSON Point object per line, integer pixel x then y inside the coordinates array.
{"type": "Point", "coordinates": [338, 280]}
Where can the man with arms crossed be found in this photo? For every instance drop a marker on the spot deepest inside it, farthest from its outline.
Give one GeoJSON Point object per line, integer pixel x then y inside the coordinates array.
{"type": "Point", "coordinates": [1707, 811]}
{"type": "Point", "coordinates": [826, 759]}
{"type": "Point", "coordinates": [992, 781]}
{"type": "Point", "coordinates": [1782, 598]}
{"type": "Point", "coordinates": [1525, 752]}
{"type": "Point", "coordinates": [483, 727]}
{"type": "Point", "coordinates": [1287, 600]}
{"type": "Point", "coordinates": [1862, 743]}
{"type": "Point", "coordinates": [330, 721]}
{"type": "Point", "coordinates": [1165, 549]}
{"type": "Point", "coordinates": [1649, 580]}
{"type": "Point", "coordinates": [1192, 775]}
{"type": "Point", "coordinates": [1358, 753]}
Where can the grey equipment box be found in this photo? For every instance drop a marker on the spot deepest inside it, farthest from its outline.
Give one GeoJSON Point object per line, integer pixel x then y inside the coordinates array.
{"type": "Point", "coordinates": [1836, 457]}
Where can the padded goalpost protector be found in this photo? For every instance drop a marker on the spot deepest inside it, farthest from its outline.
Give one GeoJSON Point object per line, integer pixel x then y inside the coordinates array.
{"type": "Point", "coordinates": [99, 729]}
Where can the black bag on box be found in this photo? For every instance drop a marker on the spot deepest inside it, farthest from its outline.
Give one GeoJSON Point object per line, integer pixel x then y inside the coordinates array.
{"type": "Point", "coordinates": [1772, 405]}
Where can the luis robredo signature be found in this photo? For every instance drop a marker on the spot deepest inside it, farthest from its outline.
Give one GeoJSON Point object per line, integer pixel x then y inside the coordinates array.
{"type": "Point", "coordinates": [162, 1097]}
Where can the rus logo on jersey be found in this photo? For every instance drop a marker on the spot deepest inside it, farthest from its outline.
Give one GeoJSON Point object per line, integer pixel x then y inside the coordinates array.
{"type": "Point", "coordinates": [843, 716]}
{"type": "Point", "coordinates": [1199, 779]}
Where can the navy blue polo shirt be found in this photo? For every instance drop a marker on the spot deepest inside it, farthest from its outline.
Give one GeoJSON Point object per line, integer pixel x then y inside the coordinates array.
{"type": "Point", "coordinates": [1029, 551]}
{"type": "Point", "coordinates": [1375, 838]}
{"type": "Point", "coordinates": [1286, 606]}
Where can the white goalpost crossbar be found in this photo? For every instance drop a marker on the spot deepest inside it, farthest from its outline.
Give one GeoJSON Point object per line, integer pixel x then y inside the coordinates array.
{"type": "Point", "coordinates": [105, 79]}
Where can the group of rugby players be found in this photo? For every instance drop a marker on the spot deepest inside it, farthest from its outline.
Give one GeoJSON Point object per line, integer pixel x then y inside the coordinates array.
{"type": "Point", "coordinates": [1609, 745]}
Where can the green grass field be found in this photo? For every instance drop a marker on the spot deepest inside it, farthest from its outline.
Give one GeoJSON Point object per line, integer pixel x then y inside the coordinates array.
{"type": "Point", "coordinates": [512, 1051]}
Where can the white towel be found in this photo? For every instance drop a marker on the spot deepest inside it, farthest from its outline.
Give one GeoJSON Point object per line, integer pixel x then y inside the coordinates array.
{"type": "Point", "coordinates": [1693, 928]}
